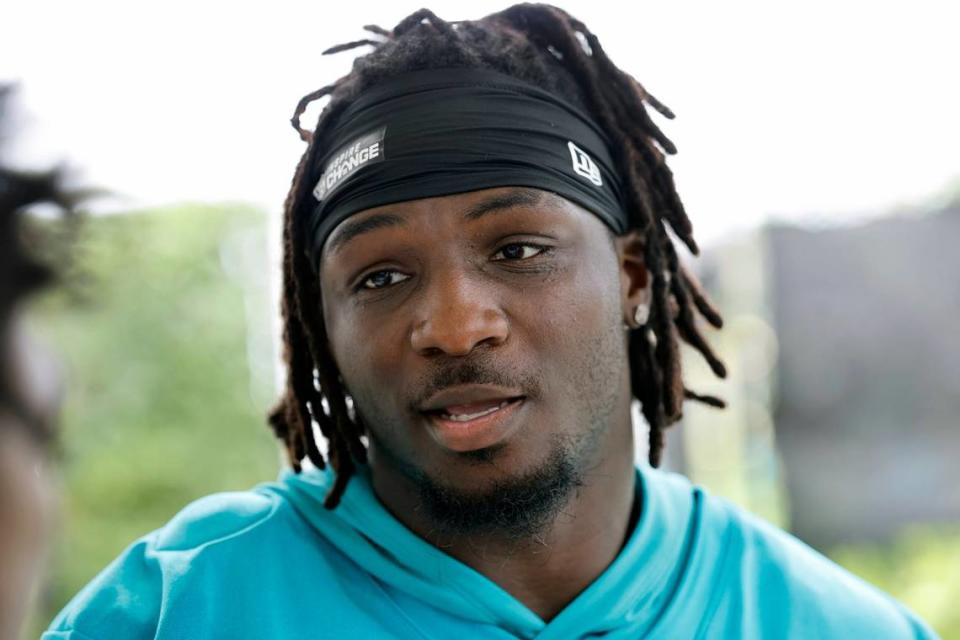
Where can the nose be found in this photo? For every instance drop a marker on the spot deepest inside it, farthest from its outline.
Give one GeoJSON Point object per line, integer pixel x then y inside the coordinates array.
{"type": "Point", "coordinates": [456, 316]}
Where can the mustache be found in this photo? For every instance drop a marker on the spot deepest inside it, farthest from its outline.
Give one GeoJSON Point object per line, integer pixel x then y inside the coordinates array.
{"type": "Point", "coordinates": [477, 370]}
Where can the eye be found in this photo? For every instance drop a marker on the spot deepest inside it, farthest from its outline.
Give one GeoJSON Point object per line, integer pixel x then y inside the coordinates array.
{"type": "Point", "coordinates": [381, 280]}
{"type": "Point", "coordinates": [521, 250]}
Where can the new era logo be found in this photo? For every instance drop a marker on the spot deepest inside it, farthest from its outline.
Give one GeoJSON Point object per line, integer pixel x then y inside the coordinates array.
{"type": "Point", "coordinates": [583, 165]}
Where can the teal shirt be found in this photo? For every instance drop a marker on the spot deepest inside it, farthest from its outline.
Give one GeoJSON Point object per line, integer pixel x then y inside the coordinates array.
{"type": "Point", "coordinates": [273, 563]}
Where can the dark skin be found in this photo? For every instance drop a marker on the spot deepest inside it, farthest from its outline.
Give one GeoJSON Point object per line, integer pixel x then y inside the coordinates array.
{"type": "Point", "coordinates": [510, 286]}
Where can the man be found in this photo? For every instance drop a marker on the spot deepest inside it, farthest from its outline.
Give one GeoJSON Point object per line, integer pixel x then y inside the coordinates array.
{"type": "Point", "coordinates": [478, 280]}
{"type": "Point", "coordinates": [28, 394]}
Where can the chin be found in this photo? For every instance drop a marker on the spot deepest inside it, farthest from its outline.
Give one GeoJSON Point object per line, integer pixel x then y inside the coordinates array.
{"type": "Point", "coordinates": [491, 494]}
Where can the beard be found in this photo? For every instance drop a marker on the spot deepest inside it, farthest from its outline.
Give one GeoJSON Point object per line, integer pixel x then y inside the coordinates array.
{"type": "Point", "coordinates": [515, 508]}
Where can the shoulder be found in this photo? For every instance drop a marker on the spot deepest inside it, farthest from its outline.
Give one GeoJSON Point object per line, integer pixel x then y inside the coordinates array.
{"type": "Point", "coordinates": [785, 584]}
{"type": "Point", "coordinates": [127, 598]}
{"type": "Point", "coordinates": [218, 518]}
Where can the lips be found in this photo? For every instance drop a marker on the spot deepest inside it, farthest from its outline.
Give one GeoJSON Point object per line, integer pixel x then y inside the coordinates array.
{"type": "Point", "coordinates": [467, 412]}
{"type": "Point", "coordinates": [472, 417]}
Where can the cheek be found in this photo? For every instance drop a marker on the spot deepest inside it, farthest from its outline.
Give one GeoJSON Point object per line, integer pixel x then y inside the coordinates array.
{"type": "Point", "coordinates": [575, 305]}
{"type": "Point", "coordinates": [578, 332]}
{"type": "Point", "coordinates": [371, 366]}
{"type": "Point", "coordinates": [367, 350]}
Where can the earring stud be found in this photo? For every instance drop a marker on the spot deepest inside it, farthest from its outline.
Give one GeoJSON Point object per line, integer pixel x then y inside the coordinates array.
{"type": "Point", "coordinates": [641, 314]}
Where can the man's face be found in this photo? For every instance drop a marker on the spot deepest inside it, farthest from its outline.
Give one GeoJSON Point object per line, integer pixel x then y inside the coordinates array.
{"type": "Point", "coordinates": [481, 338]}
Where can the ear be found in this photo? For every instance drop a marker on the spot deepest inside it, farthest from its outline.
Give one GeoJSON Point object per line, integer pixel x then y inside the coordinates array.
{"type": "Point", "coordinates": [635, 282]}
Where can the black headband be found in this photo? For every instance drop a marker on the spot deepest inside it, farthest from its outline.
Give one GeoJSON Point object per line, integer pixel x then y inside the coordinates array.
{"type": "Point", "coordinates": [446, 131]}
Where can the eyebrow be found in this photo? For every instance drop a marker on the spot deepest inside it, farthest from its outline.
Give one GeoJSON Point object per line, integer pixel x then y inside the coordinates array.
{"type": "Point", "coordinates": [350, 229]}
{"type": "Point", "coordinates": [515, 198]}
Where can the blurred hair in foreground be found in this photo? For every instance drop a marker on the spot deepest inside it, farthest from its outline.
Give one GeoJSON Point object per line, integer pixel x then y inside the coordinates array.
{"type": "Point", "coordinates": [27, 383]}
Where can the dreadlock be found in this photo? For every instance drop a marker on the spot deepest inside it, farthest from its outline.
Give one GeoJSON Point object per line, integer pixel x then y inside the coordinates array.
{"type": "Point", "coordinates": [547, 47]}
{"type": "Point", "coordinates": [23, 268]}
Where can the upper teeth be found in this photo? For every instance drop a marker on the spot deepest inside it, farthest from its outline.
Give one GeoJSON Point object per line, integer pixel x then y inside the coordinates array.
{"type": "Point", "coordinates": [464, 417]}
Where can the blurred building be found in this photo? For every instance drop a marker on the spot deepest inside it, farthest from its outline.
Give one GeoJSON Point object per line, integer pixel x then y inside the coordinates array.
{"type": "Point", "coordinates": [843, 346]}
{"type": "Point", "coordinates": [868, 398]}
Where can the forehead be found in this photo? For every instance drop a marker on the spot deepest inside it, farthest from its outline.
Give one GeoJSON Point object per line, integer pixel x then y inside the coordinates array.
{"type": "Point", "coordinates": [467, 208]}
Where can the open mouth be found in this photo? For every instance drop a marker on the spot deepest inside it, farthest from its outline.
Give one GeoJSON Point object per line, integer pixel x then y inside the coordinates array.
{"type": "Point", "coordinates": [463, 428]}
{"type": "Point", "coordinates": [467, 413]}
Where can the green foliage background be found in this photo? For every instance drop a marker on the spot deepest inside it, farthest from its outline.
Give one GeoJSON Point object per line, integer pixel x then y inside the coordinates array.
{"type": "Point", "coordinates": [164, 407]}
{"type": "Point", "coordinates": [161, 407]}
{"type": "Point", "coordinates": [920, 567]}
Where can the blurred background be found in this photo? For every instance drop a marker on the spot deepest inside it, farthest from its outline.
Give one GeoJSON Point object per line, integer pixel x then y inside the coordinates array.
{"type": "Point", "coordinates": [819, 160]}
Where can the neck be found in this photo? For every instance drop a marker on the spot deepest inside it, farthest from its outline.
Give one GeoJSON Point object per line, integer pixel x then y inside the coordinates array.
{"type": "Point", "coordinates": [546, 570]}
